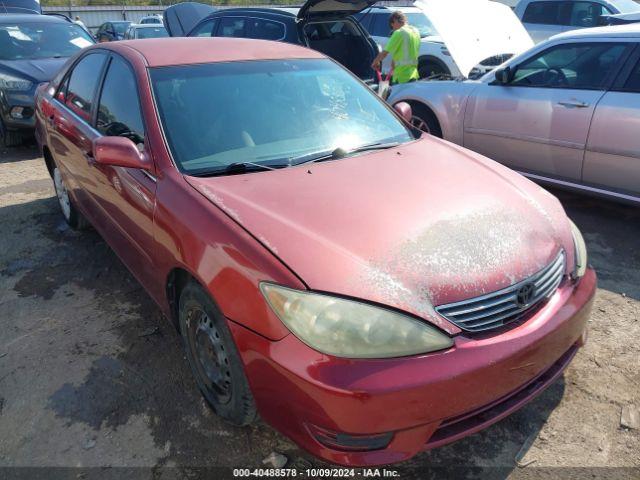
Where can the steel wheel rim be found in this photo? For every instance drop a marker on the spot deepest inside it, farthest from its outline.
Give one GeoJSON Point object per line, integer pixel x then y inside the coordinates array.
{"type": "Point", "coordinates": [209, 354]}
{"type": "Point", "coordinates": [61, 193]}
{"type": "Point", "coordinates": [420, 124]}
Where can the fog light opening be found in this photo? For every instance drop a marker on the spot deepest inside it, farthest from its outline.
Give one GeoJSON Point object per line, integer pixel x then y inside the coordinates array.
{"type": "Point", "coordinates": [350, 443]}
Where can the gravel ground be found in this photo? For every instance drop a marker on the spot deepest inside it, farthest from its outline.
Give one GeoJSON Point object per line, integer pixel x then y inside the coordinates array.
{"type": "Point", "coordinates": [93, 377]}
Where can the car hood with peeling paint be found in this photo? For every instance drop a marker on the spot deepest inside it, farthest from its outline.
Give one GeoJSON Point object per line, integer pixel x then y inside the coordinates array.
{"type": "Point", "coordinates": [424, 224]}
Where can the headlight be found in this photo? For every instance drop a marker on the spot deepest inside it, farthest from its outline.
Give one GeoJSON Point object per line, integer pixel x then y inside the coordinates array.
{"type": "Point", "coordinates": [9, 82]}
{"type": "Point", "coordinates": [350, 329]}
{"type": "Point", "coordinates": [580, 252]}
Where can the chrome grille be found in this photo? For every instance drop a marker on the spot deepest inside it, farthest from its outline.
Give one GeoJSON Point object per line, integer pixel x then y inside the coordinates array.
{"type": "Point", "coordinates": [499, 308]}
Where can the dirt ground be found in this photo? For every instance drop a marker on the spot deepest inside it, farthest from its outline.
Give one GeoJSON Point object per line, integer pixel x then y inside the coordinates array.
{"type": "Point", "coordinates": [93, 378]}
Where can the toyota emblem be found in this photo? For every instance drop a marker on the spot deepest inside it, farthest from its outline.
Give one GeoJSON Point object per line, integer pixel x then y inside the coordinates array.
{"type": "Point", "coordinates": [524, 295]}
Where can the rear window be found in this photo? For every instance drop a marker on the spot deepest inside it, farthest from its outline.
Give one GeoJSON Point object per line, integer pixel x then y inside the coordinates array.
{"type": "Point", "coordinates": [153, 32]}
{"type": "Point", "coordinates": [30, 41]}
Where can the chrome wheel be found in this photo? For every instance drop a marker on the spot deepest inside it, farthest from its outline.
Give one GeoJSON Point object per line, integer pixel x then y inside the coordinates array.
{"type": "Point", "coordinates": [211, 358]}
{"type": "Point", "coordinates": [62, 194]}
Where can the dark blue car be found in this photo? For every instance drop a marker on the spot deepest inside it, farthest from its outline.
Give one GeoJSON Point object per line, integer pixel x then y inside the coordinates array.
{"type": "Point", "coordinates": [32, 50]}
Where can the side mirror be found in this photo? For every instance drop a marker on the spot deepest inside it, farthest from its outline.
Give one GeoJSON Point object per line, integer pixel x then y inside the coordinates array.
{"type": "Point", "coordinates": [404, 110]}
{"type": "Point", "coordinates": [503, 76]}
{"type": "Point", "coordinates": [119, 152]}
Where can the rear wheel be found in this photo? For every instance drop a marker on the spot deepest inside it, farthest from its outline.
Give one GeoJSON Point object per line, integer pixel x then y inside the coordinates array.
{"type": "Point", "coordinates": [213, 357]}
{"type": "Point", "coordinates": [71, 215]}
{"type": "Point", "coordinates": [424, 119]}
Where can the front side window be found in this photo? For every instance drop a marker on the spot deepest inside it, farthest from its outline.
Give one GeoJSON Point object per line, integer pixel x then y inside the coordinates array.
{"type": "Point", "coordinates": [31, 41]}
{"type": "Point", "coordinates": [265, 29]}
{"type": "Point", "coordinates": [232, 27]}
{"type": "Point", "coordinates": [205, 29]}
{"type": "Point", "coordinates": [577, 65]}
{"type": "Point", "coordinates": [82, 85]}
{"type": "Point", "coordinates": [273, 112]}
{"type": "Point", "coordinates": [586, 14]}
{"type": "Point", "coordinates": [119, 107]}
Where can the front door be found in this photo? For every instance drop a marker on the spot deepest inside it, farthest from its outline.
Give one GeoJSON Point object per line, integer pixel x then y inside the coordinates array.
{"type": "Point", "coordinates": [539, 122]}
{"type": "Point", "coordinates": [125, 196]}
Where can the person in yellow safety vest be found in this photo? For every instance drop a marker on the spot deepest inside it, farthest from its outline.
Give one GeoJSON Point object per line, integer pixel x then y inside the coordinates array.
{"type": "Point", "coordinates": [403, 46]}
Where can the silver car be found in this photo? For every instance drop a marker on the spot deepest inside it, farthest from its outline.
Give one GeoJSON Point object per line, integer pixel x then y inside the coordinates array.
{"type": "Point", "coordinates": [566, 112]}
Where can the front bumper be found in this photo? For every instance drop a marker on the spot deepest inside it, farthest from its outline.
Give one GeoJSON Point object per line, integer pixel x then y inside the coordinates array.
{"type": "Point", "coordinates": [9, 100]}
{"type": "Point", "coordinates": [426, 401]}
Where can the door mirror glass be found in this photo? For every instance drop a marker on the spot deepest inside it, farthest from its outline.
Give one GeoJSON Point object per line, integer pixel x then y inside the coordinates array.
{"type": "Point", "coordinates": [120, 152]}
{"type": "Point", "coordinates": [404, 110]}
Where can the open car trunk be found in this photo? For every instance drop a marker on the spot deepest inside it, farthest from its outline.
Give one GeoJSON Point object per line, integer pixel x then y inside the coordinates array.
{"type": "Point", "coordinates": [344, 41]}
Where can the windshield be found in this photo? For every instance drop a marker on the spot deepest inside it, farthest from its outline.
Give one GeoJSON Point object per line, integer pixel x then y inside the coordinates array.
{"type": "Point", "coordinates": [267, 112]}
{"type": "Point", "coordinates": [29, 41]}
{"type": "Point", "coordinates": [154, 32]}
{"type": "Point", "coordinates": [422, 23]}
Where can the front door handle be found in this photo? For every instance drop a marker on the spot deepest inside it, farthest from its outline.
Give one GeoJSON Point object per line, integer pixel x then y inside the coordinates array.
{"type": "Point", "coordinates": [573, 104]}
{"type": "Point", "coordinates": [88, 156]}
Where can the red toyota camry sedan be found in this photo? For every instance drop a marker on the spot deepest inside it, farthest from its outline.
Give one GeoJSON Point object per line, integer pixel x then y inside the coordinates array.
{"type": "Point", "coordinates": [368, 290]}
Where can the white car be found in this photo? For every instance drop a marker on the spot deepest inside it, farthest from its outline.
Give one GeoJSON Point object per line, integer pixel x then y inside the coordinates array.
{"type": "Point", "coordinates": [544, 18]}
{"type": "Point", "coordinates": [460, 38]}
{"type": "Point", "coordinates": [151, 19]}
{"type": "Point", "coordinates": [564, 113]}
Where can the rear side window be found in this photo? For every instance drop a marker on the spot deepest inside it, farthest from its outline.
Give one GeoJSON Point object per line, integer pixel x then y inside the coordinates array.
{"type": "Point", "coordinates": [232, 27]}
{"type": "Point", "coordinates": [266, 29]}
{"type": "Point", "coordinates": [577, 65]}
{"type": "Point", "coordinates": [119, 112]}
{"type": "Point", "coordinates": [83, 83]}
{"type": "Point", "coordinates": [546, 13]}
{"type": "Point", "coordinates": [633, 82]}
{"type": "Point", "coordinates": [205, 29]}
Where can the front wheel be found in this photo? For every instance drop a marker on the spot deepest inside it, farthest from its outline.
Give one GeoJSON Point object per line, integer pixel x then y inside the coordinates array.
{"type": "Point", "coordinates": [213, 357]}
{"type": "Point", "coordinates": [424, 119]}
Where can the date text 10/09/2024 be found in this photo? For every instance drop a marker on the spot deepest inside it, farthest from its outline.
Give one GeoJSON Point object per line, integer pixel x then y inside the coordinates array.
{"type": "Point", "coordinates": [317, 472]}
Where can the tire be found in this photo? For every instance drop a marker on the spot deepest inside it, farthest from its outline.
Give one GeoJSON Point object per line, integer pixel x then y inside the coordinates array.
{"type": "Point", "coordinates": [70, 213]}
{"type": "Point", "coordinates": [429, 67]}
{"type": "Point", "coordinates": [424, 119]}
{"type": "Point", "coordinates": [10, 138]}
{"type": "Point", "coordinates": [213, 357]}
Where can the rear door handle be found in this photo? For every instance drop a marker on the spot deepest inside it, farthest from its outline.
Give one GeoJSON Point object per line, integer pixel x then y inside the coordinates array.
{"type": "Point", "coordinates": [574, 104]}
{"type": "Point", "coordinates": [88, 156]}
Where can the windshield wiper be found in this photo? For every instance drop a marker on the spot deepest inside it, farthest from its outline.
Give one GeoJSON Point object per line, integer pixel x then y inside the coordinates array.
{"type": "Point", "coordinates": [340, 153]}
{"type": "Point", "coordinates": [237, 168]}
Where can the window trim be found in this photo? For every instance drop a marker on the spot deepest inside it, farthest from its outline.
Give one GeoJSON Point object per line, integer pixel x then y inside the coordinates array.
{"type": "Point", "coordinates": [608, 80]}
{"type": "Point", "coordinates": [103, 78]}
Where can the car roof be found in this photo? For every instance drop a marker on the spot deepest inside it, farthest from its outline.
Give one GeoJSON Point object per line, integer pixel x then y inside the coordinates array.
{"type": "Point", "coordinates": [631, 31]}
{"type": "Point", "coordinates": [162, 52]}
{"type": "Point", "coordinates": [16, 18]}
{"type": "Point", "coordinates": [146, 25]}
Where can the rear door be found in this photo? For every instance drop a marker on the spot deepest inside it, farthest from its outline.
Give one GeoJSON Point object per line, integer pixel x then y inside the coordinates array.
{"type": "Point", "coordinates": [612, 159]}
{"type": "Point", "coordinates": [539, 122]}
{"type": "Point", "coordinates": [72, 136]}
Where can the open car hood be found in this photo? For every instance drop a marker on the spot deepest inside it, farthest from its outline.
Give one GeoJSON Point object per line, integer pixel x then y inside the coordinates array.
{"type": "Point", "coordinates": [179, 19]}
{"type": "Point", "coordinates": [475, 30]}
{"type": "Point", "coordinates": [333, 8]}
